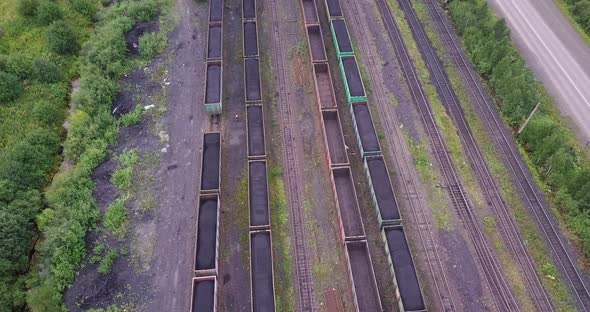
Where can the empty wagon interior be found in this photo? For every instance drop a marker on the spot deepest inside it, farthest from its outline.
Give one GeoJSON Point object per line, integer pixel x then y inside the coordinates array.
{"type": "Point", "coordinates": [336, 145]}
{"type": "Point", "coordinates": [309, 12]}
{"type": "Point", "coordinates": [348, 203]}
{"type": "Point", "coordinates": [324, 86]}
{"type": "Point", "coordinates": [363, 277]}
{"type": "Point", "coordinates": [316, 43]}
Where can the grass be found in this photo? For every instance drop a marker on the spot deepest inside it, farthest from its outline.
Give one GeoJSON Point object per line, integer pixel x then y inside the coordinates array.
{"type": "Point", "coordinates": [242, 215]}
{"type": "Point", "coordinates": [106, 264]}
{"type": "Point", "coordinates": [145, 180]}
{"type": "Point", "coordinates": [115, 218]}
{"type": "Point", "coordinates": [122, 176]}
{"type": "Point", "coordinates": [152, 43]}
{"type": "Point", "coordinates": [281, 240]}
{"type": "Point", "coordinates": [437, 201]}
{"type": "Point", "coordinates": [133, 117]}
{"type": "Point", "coordinates": [533, 241]}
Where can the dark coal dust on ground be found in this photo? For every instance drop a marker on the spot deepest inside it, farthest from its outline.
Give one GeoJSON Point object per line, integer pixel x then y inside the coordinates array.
{"type": "Point", "coordinates": [153, 267]}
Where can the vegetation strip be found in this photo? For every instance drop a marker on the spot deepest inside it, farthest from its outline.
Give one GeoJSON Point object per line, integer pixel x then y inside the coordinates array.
{"type": "Point", "coordinates": [69, 210]}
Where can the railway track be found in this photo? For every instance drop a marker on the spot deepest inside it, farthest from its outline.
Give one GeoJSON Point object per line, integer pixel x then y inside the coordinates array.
{"type": "Point", "coordinates": [301, 259]}
{"type": "Point", "coordinates": [490, 189]}
{"type": "Point", "coordinates": [492, 273]}
{"type": "Point", "coordinates": [498, 132]}
{"type": "Point", "coordinates": [418, 207]}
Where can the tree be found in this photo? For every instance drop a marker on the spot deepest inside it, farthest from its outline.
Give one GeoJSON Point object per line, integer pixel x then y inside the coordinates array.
{"type": "Point", "coordinates": [61, 38]}
{"type": "Point", "coordinates": [10, 87]}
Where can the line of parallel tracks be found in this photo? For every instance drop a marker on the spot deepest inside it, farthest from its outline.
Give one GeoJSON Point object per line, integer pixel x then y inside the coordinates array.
{"type": "Point", "coordinates": [490, 189]}
{"type": "Point", "coordinates": [301, 260]}
{"type": "Point", "coordinates": [403, 163]}
{"type": "Point", "coordinates": [492, 273]}
{"type": "Point", "coordinates": [498, 132]}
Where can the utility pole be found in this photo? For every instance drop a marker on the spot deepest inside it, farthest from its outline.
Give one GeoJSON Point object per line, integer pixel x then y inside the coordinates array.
{"type": "Point", "coordinates": [526, 122]}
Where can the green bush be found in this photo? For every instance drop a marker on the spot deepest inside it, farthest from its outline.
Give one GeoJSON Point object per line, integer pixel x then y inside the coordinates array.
{"type": "Point", "coordinates": [45, 71]}
{"type": "Point", "coordinates": [151, 44]}
{"type": "Point", "coordinates": [48, 12]}
{"type": "Point", "coordinates": [86, 8]}
{"type": "Point", "coordinates": [27, 8]}
{"type": "Point", "coordinates": [132, 118]}
{"type": "Point", "coordinates": [10, 87]}
{"type": "Point", "coordinates": [61, 38]}
{"type": "Point", "coordinates": [115, 218]}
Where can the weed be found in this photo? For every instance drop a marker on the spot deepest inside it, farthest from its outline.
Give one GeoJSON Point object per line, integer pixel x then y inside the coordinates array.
{"type": "Point", "coordinates": [106, 264]}
{"type": "Point", "coordinates": [151, 44]}
{"type": "Point", "coordinates": [115, 218]}
{"type": "Point", "coordinates": [132, 118]}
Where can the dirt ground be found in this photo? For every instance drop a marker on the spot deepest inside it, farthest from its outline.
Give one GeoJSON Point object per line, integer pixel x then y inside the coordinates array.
{"type": "Point", "coordinates": [155, 268]}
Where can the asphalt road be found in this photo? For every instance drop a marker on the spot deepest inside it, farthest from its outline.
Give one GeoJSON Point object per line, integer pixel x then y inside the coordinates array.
{"type": "Point", "coordinates": [556, 53]}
